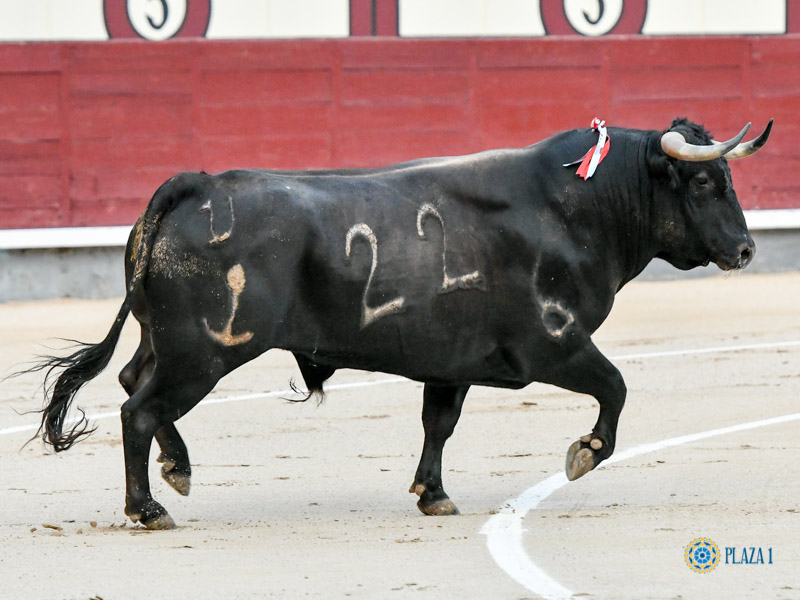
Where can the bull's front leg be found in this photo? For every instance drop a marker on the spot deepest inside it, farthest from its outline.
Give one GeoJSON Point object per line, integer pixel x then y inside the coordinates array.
{"type": "Point", "coordinates": [587, 371]}
{"type": "Point", "coordinates": [441, 409]}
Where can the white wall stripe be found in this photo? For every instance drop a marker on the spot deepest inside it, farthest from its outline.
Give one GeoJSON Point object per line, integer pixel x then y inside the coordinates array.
{"type": "Point", "coordinates": [116, 236]}
{"type": "Point", "coordinates": [64, 237]}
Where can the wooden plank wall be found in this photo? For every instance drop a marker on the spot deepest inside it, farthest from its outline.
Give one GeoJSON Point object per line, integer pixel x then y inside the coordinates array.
{"type": "Point", "coordinates": [88, 131]}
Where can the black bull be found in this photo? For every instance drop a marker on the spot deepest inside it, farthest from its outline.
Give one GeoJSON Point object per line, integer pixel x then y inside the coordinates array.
{"type": "Point", "coordinates": [490, 269]}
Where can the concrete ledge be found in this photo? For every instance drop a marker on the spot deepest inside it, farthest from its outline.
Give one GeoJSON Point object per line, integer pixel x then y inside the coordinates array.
{"type": "Point", "coordinates": [44, 273]}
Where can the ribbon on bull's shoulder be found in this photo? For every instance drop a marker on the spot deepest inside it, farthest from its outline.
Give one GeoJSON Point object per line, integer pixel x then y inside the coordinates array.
{"type": "Point", "coordinates": [589, 162]}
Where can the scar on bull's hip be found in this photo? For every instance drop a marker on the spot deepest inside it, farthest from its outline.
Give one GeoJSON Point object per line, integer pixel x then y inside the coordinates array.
{"type": "Point", "coordinates": [226, 337]}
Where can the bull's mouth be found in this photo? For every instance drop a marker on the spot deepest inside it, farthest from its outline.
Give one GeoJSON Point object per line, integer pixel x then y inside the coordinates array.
{"type": "Point", "coordinates": [733, 264]}
{"type": "Point", "coordinates": [697, 262]}
{"type": "Point", "coordinates": [729, 266]}
{"type": "Point", "coordinates": [726, 266]}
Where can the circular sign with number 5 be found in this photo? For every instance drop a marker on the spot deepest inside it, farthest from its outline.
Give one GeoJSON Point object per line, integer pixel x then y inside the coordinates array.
{"type": "Point", "coordinates": [156, 19]}
{"type": "Point", "coordinates": [593, 17]}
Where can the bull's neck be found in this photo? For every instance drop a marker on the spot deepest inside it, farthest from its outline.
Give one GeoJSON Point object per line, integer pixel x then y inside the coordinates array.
{"type": "Point", "coordinates": [624, 207]}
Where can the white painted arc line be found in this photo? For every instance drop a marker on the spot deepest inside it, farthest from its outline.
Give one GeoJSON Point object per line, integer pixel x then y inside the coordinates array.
{"type": "Point", "coordinates": [504, 530]}
{"type": "Point", "coordinates": [328, 388]}
{"type": "Point", "coordinates": [504, 540]}
{"type": "Point", "coordinates": [694, 437]}
{"type": "Point", "coordinates": [357, 384]}
{"type": "Point", "coordinates": [718, 349]}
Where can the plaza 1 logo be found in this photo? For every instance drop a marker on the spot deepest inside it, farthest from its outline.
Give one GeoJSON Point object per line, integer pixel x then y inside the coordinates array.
{"type": "Point", "coordinates": [702, 555]}
{"type": "Point", "coordinates": [156, 19]}
{"type": "Point", "coordinates": [593, 17]}
{"type": "Point", "coordinates": [749, 555]}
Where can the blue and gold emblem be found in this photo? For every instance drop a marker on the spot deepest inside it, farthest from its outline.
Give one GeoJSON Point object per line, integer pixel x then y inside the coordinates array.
{"type": "Point", "coordinates": [701, 555]}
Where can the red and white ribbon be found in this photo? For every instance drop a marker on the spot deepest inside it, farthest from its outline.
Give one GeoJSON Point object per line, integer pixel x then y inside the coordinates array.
{"type": "Point", "coordinates": [589, 162]}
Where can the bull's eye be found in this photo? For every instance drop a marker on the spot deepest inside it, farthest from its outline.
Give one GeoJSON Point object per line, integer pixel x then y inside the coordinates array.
{"type": "Point", "coordinates": [701, 179]}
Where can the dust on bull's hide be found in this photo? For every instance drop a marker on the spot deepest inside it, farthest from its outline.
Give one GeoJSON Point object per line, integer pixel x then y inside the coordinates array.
{"type": "Point", "coordinates": [168, 261]}
{"type": "Point", "coordinates": [136, 240]}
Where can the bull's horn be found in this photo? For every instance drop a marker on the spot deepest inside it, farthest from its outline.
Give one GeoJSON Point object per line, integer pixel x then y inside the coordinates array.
{"type": "Point", "coordinates": [748, 148]}
{"type": "Point", "coordinates": [675, 145]}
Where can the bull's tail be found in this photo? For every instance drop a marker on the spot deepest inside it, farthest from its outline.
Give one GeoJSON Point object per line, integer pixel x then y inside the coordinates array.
{"type": "Point", "coordinates": [72, 372]}
{"type": "Point", "coordinates": [77, 369]}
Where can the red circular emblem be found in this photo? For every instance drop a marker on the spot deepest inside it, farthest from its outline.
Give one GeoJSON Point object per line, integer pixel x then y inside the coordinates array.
{"type": "Point", "coordinates": [609, 17]}
{"type": "Point", "coordinates": [156, 19]}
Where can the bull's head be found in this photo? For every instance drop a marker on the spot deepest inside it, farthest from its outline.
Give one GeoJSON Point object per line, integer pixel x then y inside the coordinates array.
{"type": "Point", "coordinates": [705, 222]}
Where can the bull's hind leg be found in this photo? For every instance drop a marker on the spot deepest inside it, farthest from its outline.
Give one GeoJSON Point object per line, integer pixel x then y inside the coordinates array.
{"type": "Point", "coordinates": [139, 368]}
{"type": "Point", "coordinates": [587, 371]}
{"type": "Point", "coordinates": [176, 469]}
{"type": "Point", "coordinates": [441, 409]}
{"type": "Point", "coordinates": [165, 397]}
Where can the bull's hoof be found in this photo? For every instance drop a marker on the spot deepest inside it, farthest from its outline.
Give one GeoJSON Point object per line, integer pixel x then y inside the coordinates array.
{"type": "Point", "coordinates": [440, 508]}
{"type": "Point", "coordinates": [178, 480]}
{"type": "Point", "coordinates": [580, 460]}
{"type": "Point", "coordinates": [162, 522]}
{"type": "Point", "coordinates": [152, 516]}
{"type": "Point", "coordinates": [436, 508]}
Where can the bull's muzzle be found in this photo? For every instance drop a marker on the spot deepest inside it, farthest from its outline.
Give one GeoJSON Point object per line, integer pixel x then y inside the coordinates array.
{"type": "Point", "coordinates": [747, 250]}
{"type": "Point", "coordinates": [741, 258]}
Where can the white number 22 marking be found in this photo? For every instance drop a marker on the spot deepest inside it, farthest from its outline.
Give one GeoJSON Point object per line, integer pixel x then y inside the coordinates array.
{"type": "Point", "coordinates": [449, 284]}
{"type": "Point", "coordinates": [369, 314]}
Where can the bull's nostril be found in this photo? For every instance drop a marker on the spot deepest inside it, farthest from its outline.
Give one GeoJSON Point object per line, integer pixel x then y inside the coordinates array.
{"type": "Point", "coordinates": [745, 255]}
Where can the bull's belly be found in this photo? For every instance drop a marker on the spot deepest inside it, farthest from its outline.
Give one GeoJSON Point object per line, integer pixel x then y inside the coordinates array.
{"type": "Point", "coordinates": [471, 357]}
{"type": "Point", "coordinates": [477, 372]}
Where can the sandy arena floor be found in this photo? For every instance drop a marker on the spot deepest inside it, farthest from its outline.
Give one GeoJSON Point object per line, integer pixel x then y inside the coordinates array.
{"type": "Point", "coordinates": [302, 501]}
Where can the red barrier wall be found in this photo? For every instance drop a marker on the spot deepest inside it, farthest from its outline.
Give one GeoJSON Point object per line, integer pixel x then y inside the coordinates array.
{"type": "Point", "coordinates": [88, 131]}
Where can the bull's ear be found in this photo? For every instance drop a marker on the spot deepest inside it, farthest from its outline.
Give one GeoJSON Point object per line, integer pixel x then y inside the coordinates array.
{"type": "Point", "coordinates": [660, 165]}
